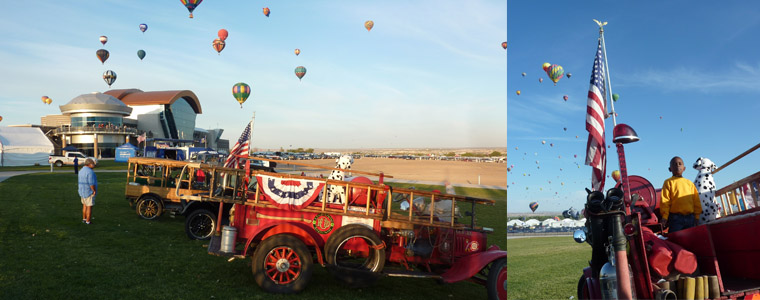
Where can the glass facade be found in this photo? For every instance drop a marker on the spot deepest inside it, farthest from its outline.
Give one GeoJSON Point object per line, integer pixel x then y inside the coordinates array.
{"type": "Point", "coordinates": [184, 119]}
{"type": "Point", "coordinates": [95, 121]}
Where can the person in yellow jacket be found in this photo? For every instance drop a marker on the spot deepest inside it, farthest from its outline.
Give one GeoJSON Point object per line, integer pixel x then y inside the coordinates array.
{"type": "Point", "coordinates": [680, 206]}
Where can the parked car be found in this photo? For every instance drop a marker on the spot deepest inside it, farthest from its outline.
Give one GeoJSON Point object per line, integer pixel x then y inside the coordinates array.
{"type": "Point", "coordinates": [68, 159]}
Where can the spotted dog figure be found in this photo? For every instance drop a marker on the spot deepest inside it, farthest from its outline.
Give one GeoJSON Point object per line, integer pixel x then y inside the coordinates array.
{"type": "Point", "coordinates": [706, 188]}
{"type": "Point", "coordinates": [336, 193]}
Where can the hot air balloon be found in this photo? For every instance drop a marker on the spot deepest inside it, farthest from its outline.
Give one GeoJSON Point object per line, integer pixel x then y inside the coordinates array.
{"type": "Point", "coordinates": [518, 92]}
{"type": "Point", "coordinates": [297, 51]}
{"type": "Point", "coordinates": [191, 5]}
{"type": "Point", "coordinates": [555, 73]}
{"type": "Point", "coordinates": [222, 34]}
{"type": "Point", "coordinates": [569, 75]}
{"type": "Point", "coordinates": [218, 46]}
{"type": "Point", "coordinates": [565, 97]}
{"type": "Point", "coordinates": [103, 39]}
{"type": "Point", "coordinates": [44, 99]}
{"type": "Point", "coordinates": [48, 101]}
{"type": "Point", "coordinates": [141, 54]}
{"type": "Point", "coordinates": [615, 97]}
{"type": "Point", "coordinates": [1, 118]}
{"type": "Point", "coordinates": [504, 45]}
{"type": "Point", "coordinates": [523, 74]}
{"type": "Point", "coordinates": [102, 55]}
{"type": "Point", "coordinates": [369, 24]}
{"type": "Point", "coordinates": [540, 80]}
{"type": "Point", "coordinates": [143, 27]}
{"type": "Point", "coordinates": [241, 91]}
{"type": "Point", "coordinates": [533, 206]}
{"type": "Point", "coordinates": [266, 11]}
{"type": "Point", "coordinates": [616, 175]}
{"type": "Point", "coordinates": [564, 128]}
{"type": "Point", "coordinates": [543, 142]}
{"type": "Point", "coordinates": [546, 66]}
{"type": "Point", "coordinates": [300, 72]}
{"type": "Point", "coordinates": [109, 76]}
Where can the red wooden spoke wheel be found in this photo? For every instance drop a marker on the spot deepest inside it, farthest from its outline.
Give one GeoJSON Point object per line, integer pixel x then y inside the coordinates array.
{"type": "Point", "coordinates": [283, 265]}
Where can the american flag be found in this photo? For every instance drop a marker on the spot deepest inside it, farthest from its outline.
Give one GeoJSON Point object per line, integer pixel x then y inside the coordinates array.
{"type": "Point", "coordinates": [596, 156]}
{"type": "Point", "coordinates": [240, 148]}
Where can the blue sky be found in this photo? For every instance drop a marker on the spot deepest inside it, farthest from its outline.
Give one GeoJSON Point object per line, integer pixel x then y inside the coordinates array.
{"type": "Point", "coordinates": [694, 64]}
{"type": "Point", "coordinates": [429, 74]}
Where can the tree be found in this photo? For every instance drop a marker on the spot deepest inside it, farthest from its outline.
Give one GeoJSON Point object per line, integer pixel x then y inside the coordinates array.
{"type": "Point", "coordinates": [451, 154]}
{"type": "Point", "coordinates": [495, 153]}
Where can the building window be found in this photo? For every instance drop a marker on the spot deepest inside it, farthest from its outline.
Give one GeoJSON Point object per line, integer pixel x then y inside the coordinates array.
{"type": "Point", "coordinates": [95, 121]}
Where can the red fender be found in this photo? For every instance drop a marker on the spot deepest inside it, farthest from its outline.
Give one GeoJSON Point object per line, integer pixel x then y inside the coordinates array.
{"type": "Point", "coordinates": [301, 231]}
{"type": "Point", "coordinates": [469, 265]}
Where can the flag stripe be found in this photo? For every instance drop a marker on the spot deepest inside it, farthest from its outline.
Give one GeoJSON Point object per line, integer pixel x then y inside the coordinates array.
{"type": "Point", "coordinates": [595, 152]}
{"type": "Point", "coordinates": [240, 148]}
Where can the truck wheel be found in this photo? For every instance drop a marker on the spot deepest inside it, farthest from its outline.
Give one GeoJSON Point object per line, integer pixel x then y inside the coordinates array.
{"type": "Point", "coordinates": [149, 208]}
{"type": "Point", "coordinates": [582, 289]}
{"type": "Point", "coordinates": [200, 224]}
{"type": "Point", "coordinates": [282, 264]}
{"type": "Point", "coordinates": [497, 280]}
{"type": "Point", "coordinates": [59, 163]}
{"type": "Point", "coordinates": [355, 255]}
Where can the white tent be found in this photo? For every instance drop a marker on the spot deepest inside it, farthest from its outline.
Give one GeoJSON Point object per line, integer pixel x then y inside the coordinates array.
{"type": "Point", "coordinates": [532, 222]}
{"type": "Point", "coordinates": [515, 223]}
{"type": "Point", "coordinates": [547, 222]}
{"type": "Point", "coordinates": [24, 146]}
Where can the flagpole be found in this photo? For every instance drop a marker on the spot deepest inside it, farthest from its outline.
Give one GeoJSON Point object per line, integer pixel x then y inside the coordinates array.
{"type": "Point", "coordinates": [607, 73]}
{"type": "Point", "coordinates": [250, 136]}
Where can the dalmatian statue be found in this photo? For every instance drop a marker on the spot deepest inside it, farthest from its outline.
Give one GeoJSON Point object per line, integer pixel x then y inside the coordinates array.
{"type": "Point", "coordinates": [337, 194]}
{"type": "Point", "coordinates": [706, 188]}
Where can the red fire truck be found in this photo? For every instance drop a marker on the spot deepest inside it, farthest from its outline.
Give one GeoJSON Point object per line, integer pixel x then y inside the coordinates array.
{"type": "Point", "coordinates": [360, 230]}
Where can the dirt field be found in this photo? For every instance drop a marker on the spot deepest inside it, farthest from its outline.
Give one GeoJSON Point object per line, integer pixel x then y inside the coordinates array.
{"type": "Point", "coordinates": [457, 172]}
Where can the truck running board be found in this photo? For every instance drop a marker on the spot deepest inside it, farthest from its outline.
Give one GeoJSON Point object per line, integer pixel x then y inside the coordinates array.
{"type": "Point", "coordinates": [410, 274]}
{"type": "Point", "coordinates": [215, 245]}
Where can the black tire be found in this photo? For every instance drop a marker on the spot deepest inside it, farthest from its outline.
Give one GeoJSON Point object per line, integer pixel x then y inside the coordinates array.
{"type": "Point", "coordinates": [497, 280]}
{"type": "Point", "coordinates": [582, 290]}
{"type": "Point", "coordinates": [355, 270]}
{"type": "Point", "coordinates": [273, 274]}
{"type": "Point", "coordinates": [149, 208]}
{"type": "Point", "coordinates": [59, 163]}
{"type": "Point", "coordinates": [200, 224]}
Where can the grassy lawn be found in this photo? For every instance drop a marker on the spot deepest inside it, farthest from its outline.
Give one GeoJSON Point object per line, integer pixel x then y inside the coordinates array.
{"type": "Point", "coordinates": [46, 252]}
{"type": "Point", "coordinates": [102, 165]}
{"type": "Point", "coordinates": [545, 267]}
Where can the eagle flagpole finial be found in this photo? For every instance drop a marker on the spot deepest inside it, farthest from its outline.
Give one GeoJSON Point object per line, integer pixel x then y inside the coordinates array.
{"type": "Point", "coordinates": [601, 25]}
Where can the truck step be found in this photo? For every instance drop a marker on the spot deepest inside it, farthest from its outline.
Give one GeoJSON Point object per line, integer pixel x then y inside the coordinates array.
{"type": "Point", "coordinates": [215, 248]}
{"type": "Point", "coordinates": [410, 274]}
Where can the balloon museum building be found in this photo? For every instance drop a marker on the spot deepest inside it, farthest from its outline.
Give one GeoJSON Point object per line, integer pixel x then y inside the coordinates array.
{"type": "Point", "coordinates": [97, 123]}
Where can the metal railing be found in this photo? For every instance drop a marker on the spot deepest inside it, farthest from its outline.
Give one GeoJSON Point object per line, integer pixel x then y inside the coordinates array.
{"type": "Point", "coordinates": [91, 129]}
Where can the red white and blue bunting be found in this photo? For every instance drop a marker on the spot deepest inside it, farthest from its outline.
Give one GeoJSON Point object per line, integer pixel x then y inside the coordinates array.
{"type": "Point", "coordinates": [289, 193]}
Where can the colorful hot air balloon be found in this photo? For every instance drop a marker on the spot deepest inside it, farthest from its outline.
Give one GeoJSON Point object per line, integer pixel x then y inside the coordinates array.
{"type": "Point", "coordinates": [143, 27]}
{"type": "Point", "coordinates": [556, 218]}
{"type": "Point", "coordinates": [141, 54]}
{"type": "Point", "coordinates": [565, 97]}
{"type": "Point", "coordinates": [241, 91]}
{"type": "Point", "coordinates": [48, 101]}
{"type": "Point", "coordinates": [191, 5]}
{"type": "Point", "coordinates": [102, 55]}
{"type": "Point", "coordinates": [555, 72]}
{"type": "Point", "coordinates": [533, 206]}
{"type": "Point", "coordinates": [109, 76]}
{"type": "Point", "coordinates": [369, 24]}
{"type": "Point", "coordinates": [616, 175]}
{"type": "Point", "coordinates": [300, 72]}
{"type": "Point", "coordinates": [297, 51]}
{"type": "Point", "coordinates": [615, 97]}
{"type": "Point", "coordinates": [222, 34]}
{"type": "Point", "coordinates": [546, 66]}
{"type": "Point", "coordinates": [266, 11]}
{"type": "Point", "coordinates": [518, 92]}
{"type": "Point", "coordinates": [44, 98]}
{"type": "Point", "coordinates": [504, 45]}
{"type": "Point", "coordinates": [103, 39]}
{"type": "Point", "coordinates": [218, 46]}
{"type": "Point", "coordinates": [1, 118]}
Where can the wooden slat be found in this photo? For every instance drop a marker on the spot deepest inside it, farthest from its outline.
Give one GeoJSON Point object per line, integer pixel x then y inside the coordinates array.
{"type": "Point", "coordinates": [737, 158]}
{"type": "Point", "coordinates": [317, 166]}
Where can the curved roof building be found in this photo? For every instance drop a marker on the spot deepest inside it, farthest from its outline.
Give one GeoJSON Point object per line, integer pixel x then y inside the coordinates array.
{"type": "Point", "coordinates": [165, 114]}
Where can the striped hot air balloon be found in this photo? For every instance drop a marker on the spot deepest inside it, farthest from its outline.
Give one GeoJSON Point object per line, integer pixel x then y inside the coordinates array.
{"type": "Point", "coordinates": [109, 77]}
{"type": "Point", "coordinates": [300, 72]}
{"type": "Point", "coordinates": [103, 39]}
{"type": "Point", "coordinates": [143, 27]}
{"type": "Point", "coordinates": [102, 55]}
{"type": "Point", "coordinates": [191, 5]}
{"type": "Point", "coordinates": [533, 206]}
{"type": "Point", "coordinates": [298, 51]}
{"type": "Point", "coordinates": [241, 91]}
{"type": "Point", "coordinates": [218, 45]}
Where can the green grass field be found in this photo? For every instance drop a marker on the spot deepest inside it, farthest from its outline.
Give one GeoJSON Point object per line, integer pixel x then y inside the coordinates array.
{"type": "Point", "coordinates": [545, 267]}
{"type": "Point", "coordinates": [46, 252]}
{"type": "Point", "coordinates": [102, 165]}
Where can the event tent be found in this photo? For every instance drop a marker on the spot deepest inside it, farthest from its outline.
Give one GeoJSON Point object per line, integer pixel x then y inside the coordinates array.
{"type": "Point", "coordinates": [24, 146]}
